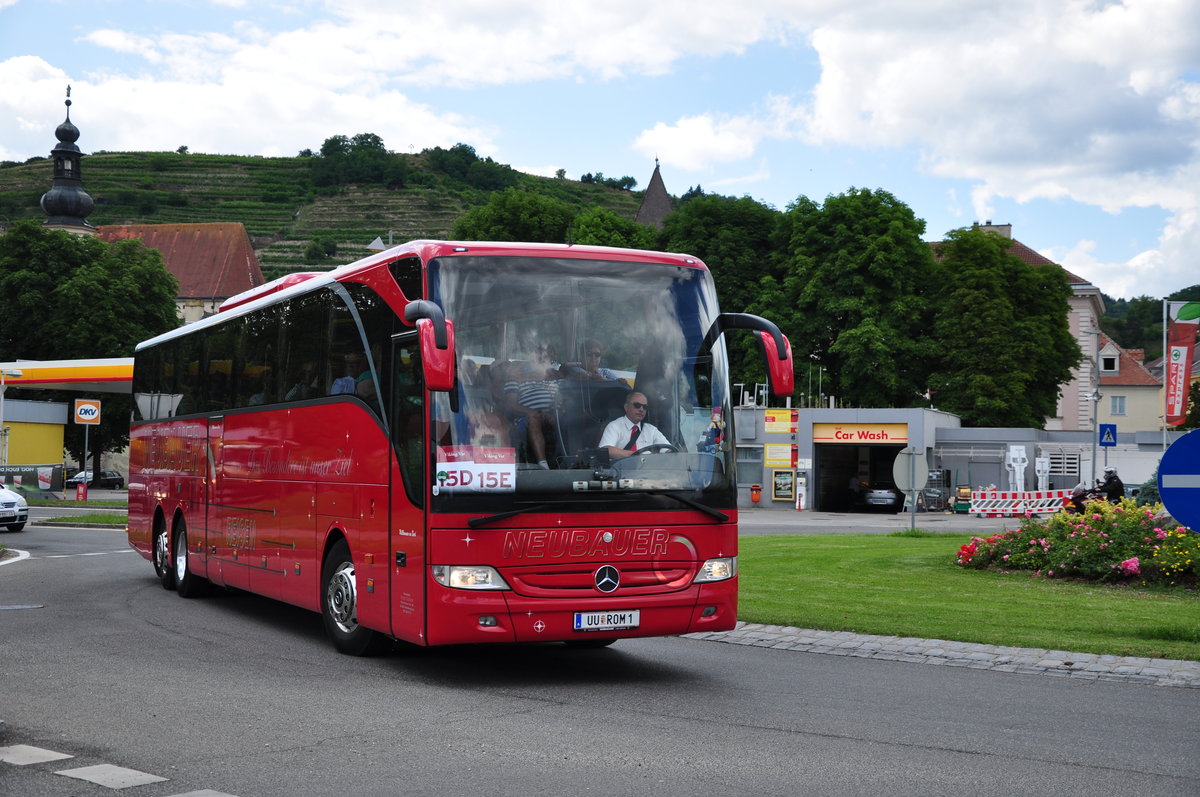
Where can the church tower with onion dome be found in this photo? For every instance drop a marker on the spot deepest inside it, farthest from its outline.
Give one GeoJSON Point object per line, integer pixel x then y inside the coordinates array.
{"type": "Point", "coordinates": [66, 204]}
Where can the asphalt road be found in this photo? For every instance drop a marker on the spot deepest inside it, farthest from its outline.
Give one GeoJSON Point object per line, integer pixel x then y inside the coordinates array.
{"type": "Point", "coordinates": [244, 696]}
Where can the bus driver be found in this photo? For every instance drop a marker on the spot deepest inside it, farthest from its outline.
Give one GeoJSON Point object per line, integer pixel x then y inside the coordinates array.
{"type": "Point", "coordinates": [630, 432]}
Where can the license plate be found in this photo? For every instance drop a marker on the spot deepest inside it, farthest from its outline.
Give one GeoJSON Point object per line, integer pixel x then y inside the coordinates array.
{"type": "Point", "coordinates": [607, 621]}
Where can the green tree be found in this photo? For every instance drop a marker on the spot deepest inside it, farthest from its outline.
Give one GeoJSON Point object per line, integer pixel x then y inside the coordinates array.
{"type": "Point", "coordinates": [320, 248]}
{"type": "Point", "coordinates": [601, 227]}
{"type": "Point", "coordinates": [515, 215]}
{"type": "Point", "coordinates": [1192, 421]}
{"type": "Point", "coordinates": [733, 236]}
{"type": "Point", "coordinates": [72, 297]}
{"type": "Point", "coordinates": [1004, 344]}
{"type": "Point", "coordinates": [853, 296]}
{"type": "Point", "coordinates": [1135, 323]}
{"type": "Point", "coordinates": [462, 164]}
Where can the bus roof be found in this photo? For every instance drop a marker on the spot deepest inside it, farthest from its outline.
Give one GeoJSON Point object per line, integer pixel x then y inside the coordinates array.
{"type": "Point", "coordinates": [301, 282]}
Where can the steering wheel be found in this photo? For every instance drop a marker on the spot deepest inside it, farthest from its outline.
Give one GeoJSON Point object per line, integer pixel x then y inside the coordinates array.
{"type": "Point", "coordinates": [656, 447]}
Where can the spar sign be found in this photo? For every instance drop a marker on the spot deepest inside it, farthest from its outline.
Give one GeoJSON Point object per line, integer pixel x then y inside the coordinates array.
{"type": "Point", "coordinates": [87, 411]}
{"type": "Point", "coordinates": [1183, 321]}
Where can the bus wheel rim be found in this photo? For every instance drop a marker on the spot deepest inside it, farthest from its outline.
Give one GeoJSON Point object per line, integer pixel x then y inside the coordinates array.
{"type": "Point", "coordinates": [161, 551]}
{"type": "Point", "coordinates": [181, 557]}
{"type": "Point", "coordinates": [342, 598]}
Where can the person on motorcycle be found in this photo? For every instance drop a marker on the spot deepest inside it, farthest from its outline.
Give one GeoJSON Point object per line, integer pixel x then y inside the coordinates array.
{"type": "Point", "coordinates": [1112, 486]}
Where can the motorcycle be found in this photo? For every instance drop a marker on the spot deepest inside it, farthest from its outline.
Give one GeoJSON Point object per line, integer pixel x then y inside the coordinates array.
{"type": "Point", "coordinates": [1081, 496]}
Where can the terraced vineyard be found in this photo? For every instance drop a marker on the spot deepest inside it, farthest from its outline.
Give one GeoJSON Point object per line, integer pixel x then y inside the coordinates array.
{"type": "Point", "coordinates": [276, 201]}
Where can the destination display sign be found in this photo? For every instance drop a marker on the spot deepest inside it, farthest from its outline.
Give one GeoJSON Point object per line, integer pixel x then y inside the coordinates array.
{"type": "Point", "coordinates": [474, 469]}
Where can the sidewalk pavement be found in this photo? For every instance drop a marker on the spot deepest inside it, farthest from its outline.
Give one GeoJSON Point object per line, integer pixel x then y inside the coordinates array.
{"type": "Point", "coordinates": [1025, 661]}
{"type": "Point", "coordinates": [1029, 661]}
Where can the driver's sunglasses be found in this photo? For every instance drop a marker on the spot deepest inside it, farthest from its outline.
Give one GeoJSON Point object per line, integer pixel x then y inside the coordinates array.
{"type": "Point", "coordinates": [637, 405]}
{"type": "Point", "coordinates": [593, 354]}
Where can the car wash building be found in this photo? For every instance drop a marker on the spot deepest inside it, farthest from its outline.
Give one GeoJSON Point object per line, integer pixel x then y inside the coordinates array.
{"type": "Point", "coordinates": [829, 459]}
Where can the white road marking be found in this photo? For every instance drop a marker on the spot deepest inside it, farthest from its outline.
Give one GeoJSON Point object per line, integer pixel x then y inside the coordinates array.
{"type": "Point", "coordinates": [111, 776]}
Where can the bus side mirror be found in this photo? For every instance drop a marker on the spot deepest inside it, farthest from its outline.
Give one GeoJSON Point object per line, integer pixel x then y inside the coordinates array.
{"type": "Point", "coordinates": [437, 343]}
{"type": "Point", "coordinates": [776, 349]}
{"type": "Point", "coordinates": [779, 363]}
{"type": "Point", "coordinates": [438, 362]}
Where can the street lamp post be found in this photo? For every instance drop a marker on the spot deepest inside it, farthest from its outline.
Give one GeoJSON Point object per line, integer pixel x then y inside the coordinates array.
{"type": "Point", "coordinates": [1095, 399]}
{"type": "Point", "coordinates": [5, 373]}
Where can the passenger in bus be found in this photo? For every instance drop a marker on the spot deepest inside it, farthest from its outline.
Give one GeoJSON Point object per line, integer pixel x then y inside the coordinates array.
{"type": "Point", "coordinates": [364, 384]}
{"type": "Point", "coordinates": [348, 381]}
{"type": "Point", "coordinates": [531, 394]}
{"type": "Point", "coordinates": [630, 432]}
{"type": "Point", "coordinates": [486, 426]}
{"type": "Point", "coordinates": [590, 368]}
{"type": "Point", "coordinates": [306, 383]}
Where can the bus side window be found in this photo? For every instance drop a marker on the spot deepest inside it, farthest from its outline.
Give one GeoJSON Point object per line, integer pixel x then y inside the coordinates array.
{"type": "Point", "coordinates": [407, 412]}
{"type": "Point", "coordinates": [304, 325]}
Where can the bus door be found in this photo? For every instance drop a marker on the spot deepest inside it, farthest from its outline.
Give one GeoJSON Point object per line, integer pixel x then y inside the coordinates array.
{"type": "Point", "coordinates": [226, 543]}
{"type": "Point", "coordinates": [408, 491]}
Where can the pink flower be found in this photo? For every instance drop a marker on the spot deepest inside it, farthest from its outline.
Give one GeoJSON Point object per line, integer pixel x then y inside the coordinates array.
{"type": "Point", "coordinates": [1131, 567]}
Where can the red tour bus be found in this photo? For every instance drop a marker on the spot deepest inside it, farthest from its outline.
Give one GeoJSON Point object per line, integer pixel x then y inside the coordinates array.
{"type": "Point", "coordinates": [410, 445]}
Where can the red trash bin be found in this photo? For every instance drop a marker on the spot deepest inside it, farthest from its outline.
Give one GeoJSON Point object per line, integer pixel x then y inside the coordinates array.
{"type": "Point", "coordinates": [81, 492]}
{"type": "Point", "coordinates": [756, 493]}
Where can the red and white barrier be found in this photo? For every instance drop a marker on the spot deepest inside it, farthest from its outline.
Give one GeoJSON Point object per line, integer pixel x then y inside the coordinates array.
{"type": "Point", "coordinates": [1006, 503]}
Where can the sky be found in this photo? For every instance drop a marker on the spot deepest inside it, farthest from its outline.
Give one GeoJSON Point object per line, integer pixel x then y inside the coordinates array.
{"type": "Point", "coordinates": [1075, 121]}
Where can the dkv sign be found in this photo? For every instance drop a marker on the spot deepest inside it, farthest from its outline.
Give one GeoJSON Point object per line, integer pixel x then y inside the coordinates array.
{"type": "Point", "coordinates": [87, 411]}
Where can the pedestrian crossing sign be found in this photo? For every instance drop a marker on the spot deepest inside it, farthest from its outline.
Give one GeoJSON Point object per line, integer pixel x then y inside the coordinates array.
{"type": "Point", "coordinates": [1108, 434]}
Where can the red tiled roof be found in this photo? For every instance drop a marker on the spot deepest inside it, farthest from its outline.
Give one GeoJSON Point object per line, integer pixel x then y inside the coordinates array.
{"type": "Point", "coordinates": [1130, 370]}
{"type": "Point", "coordinates": [211, 260]}
{"type": "Point", "coordinates": [1034, 259]}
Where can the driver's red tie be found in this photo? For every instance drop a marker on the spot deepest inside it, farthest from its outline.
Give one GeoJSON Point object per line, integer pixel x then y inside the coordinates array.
{"type": "Point", "coordinates": [633, 436]}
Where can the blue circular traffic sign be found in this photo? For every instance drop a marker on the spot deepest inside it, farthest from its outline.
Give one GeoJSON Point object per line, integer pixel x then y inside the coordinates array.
{"type": "Point", "coordinates": [1179, 480]}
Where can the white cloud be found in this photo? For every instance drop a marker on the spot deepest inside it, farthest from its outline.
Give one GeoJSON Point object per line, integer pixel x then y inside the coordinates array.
{"type": "Point", "coordinates": [1092, 102]}
{"type": "Point", "coordinates": [696, 142]}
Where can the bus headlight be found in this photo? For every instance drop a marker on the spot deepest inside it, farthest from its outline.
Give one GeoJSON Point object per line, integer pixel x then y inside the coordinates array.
{"type": "Point", "coordinates": [717, 570]}
{"type": "Point", "coordinates": [468, 577]}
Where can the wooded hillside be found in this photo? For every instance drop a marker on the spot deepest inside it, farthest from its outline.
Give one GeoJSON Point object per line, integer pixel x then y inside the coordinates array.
{"type": "Point", "coordinates": [288, 203]}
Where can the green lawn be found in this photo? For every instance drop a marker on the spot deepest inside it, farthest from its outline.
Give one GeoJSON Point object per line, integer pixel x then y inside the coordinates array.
{"type": "Point", "coordinates": [910, 586]}
{"type": "Point", "coordinates": [95, 518]}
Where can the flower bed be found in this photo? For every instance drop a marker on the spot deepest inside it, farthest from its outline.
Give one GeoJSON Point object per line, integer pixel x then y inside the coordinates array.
{"type": "Point", "coordinates": [1106, 542]}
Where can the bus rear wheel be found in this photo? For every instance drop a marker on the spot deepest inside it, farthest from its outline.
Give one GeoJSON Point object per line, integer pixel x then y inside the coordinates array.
{"type": "Point", "coordinates": [187, 583]}
{"type": "Point", "coordinates": [161, 550]}
{"type": "Point", "coordinates": [339, 607]}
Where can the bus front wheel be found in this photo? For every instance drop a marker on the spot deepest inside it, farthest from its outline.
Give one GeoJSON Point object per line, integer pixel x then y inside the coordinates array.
{"type": "Point", "coordinates": [339, 607]}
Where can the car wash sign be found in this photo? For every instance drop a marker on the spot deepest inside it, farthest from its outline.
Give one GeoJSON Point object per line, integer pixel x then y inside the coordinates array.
{"type": "Point", "coordinates": [860, 433]}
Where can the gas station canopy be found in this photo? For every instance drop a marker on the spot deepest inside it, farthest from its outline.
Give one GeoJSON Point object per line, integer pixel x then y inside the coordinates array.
{"type": "Point", "coordinates": [112, 375]}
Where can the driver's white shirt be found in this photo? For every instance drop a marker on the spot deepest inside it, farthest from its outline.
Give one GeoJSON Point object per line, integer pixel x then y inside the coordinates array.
{"type": "Point", "coordinates": [617, 434]}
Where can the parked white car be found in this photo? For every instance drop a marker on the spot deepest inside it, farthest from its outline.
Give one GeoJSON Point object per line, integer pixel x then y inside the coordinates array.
{"type": "Point", "coordinates": [14, 510]}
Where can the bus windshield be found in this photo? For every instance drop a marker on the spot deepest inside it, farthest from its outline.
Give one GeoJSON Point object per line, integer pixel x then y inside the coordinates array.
{"type": "Point", "coordinates": [551, 352]}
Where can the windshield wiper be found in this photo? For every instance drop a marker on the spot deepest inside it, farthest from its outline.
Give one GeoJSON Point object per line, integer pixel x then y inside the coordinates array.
{"type": "Point", "coordinates": [699, 507]}
{"type": "Point", "coordinates": [483, 520]}
{"type": "Point", "coordinates": [476, 522]}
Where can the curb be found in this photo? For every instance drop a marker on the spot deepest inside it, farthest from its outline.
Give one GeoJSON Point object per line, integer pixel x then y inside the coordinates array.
{"type": "Point", "coordinates": [1025, 661]}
